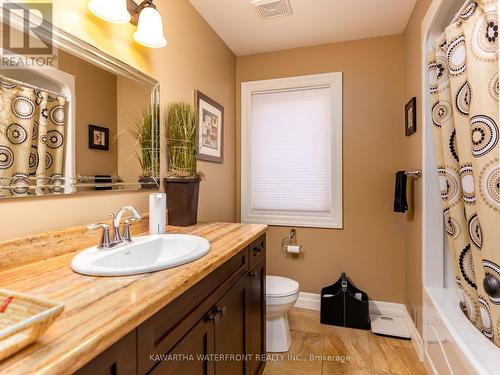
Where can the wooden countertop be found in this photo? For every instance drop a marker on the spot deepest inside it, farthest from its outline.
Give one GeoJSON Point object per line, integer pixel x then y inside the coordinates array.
{"type": "Point", "coordinates": [101, 310]}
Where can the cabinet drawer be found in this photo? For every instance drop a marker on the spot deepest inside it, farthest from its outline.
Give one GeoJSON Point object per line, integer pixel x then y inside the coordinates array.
{"type": "Point", "coordinates": [160, 333]}
{"type": "Point", "coordinates": [257, 250]}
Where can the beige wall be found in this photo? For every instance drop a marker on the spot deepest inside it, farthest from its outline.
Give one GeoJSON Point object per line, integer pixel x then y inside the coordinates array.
{"type": "Point", "coordinates": [96, 98]}
{"type": "Point", "coordinates": [129, 110]}
{"type": "Point", "coordinates": [370, 248]}
{"type": "Point", "coordinates": [371, 245]}
{"type": "Point", "coordinates": [195, 58]}
{"type": "Point", "coordinates": [413, 160]}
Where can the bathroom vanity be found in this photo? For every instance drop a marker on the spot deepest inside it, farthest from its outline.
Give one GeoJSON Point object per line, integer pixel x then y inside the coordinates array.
{"type": "Point", "coordinates": [199, 318]}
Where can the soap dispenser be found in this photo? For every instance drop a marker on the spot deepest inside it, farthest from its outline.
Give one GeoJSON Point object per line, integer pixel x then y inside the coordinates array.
{"type": "Point", "coordinates": [157, 213]}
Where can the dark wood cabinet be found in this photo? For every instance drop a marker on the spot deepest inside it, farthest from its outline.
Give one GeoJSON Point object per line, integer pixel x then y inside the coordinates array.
{"type": "Point", "coordinates": [217, 327]}
{"type": "Point", "coordinates": [121, 358]}
{"type": "Point", "coordinates": [162, 331]}
{"type": "Point", "coordinates": [192, 354]}
{"type": "Point", "coordinates": [257, 316]}
{"type": "Point", "coordinates": [231, 330]}
{"type": "Point", "coordinates": [257, 251]}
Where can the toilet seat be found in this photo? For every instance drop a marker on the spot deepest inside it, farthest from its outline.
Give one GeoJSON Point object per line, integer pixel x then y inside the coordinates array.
{"type": "Point", "coordinates": [279, 287]}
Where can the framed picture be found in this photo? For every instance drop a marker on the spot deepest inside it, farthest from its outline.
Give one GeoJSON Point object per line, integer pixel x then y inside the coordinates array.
{"type": "Point", "coordinates": [98, 137]}
{"type": "Point", "coordinates": [211, 128]}
{"type": "Point", "coordinates": [411, 117]}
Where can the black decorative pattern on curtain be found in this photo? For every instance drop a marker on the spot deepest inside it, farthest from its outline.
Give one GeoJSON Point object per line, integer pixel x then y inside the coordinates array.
{"type": "Point", "coordinates": [32, 129]}
{"type": "Point", "coordinates": [464, 91]}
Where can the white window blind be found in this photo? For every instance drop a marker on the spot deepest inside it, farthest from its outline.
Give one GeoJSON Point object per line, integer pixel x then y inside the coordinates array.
{"type": "Point", "coordinates": [290, 168]}
{"type": "Point", "coordinates": [291, 156]}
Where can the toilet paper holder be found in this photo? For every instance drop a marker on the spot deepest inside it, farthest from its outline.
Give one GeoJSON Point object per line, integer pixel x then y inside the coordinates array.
{"type": "Point", "coordinates": [289, 243]}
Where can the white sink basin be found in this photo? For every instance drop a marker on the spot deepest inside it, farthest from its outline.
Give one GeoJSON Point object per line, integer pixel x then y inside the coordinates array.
{"type": "Point", "coordinates": [145, 254]}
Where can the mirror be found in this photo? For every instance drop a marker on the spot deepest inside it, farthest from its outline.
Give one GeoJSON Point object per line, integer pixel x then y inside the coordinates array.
{"type": "Point", "coordinates": [91, 123]}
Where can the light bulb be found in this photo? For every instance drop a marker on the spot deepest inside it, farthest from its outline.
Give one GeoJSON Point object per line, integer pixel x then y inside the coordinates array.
{"type": "Point", "coordinates": [114, 11]}
{"type": "Point", "coordinates": [150, 29]}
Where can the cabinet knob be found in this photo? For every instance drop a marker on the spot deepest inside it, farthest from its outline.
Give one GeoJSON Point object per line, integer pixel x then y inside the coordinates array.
{"type": "Point", "coordinates": [258, 249]}
{"type": "Point", "coordinates": [211, 317]}
{"type": "Point", "coordinates": [253, 274]}
{"type": "Point", "coordinates": [220, 310]}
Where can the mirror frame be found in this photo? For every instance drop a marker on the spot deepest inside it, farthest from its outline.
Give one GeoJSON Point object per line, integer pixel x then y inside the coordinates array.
{"type": "Point", "coordinates": [70, 43]}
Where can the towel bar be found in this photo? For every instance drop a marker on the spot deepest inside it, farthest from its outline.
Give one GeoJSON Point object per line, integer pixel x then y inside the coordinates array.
{"type": "Point", "coordinates": [417, 173]}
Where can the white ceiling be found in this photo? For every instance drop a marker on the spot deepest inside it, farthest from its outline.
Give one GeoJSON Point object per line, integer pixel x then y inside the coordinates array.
{"type": "Point", "coordinates": [238, 23]}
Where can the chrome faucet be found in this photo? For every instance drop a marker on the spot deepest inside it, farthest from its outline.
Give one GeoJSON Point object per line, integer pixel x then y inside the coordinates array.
{"type": "Point", "coordinates": [118, 238]}
{"type": "Point", "coordinates": [104, 242]}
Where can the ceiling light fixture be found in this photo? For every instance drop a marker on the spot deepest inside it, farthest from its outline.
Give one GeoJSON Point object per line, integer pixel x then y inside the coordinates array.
{"type": "Point", "coordinates": [114, 11]}
{"type": "Point", "coordinates": [145, 15]}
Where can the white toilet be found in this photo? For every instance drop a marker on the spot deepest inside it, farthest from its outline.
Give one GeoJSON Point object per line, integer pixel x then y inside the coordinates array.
{"type": "Point", "coordinates": [281, 294]}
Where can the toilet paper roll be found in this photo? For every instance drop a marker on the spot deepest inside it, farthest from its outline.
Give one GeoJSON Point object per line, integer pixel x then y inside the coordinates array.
{"type": "Point", "coordinates": [293, 249]}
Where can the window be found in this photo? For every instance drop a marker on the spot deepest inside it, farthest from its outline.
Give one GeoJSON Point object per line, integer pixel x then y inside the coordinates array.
{"type": "Point", "coordinates": [291, 151]}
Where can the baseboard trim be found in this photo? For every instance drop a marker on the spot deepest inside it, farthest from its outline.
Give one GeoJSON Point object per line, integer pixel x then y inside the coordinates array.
{"type": "Point", "coordinates": [416, 339]}
{"type": "Point", "coordinates": [312, 301]}
{"type": "Point", "coordinates": [308, 301]}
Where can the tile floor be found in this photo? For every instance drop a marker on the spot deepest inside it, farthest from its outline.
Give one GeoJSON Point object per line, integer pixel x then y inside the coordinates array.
{"type": "Point", "coordinates": [320, 349]}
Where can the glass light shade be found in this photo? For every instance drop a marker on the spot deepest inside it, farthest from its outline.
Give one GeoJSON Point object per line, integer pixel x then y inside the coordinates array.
{"type": "Point", "coordinates": [150, 29]}
{"type": "Point", "coordinates": [114, 11]}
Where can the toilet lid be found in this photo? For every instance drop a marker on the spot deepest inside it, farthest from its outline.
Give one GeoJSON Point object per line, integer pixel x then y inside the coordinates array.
{"type": "Point", "coordinates": [277, 286]}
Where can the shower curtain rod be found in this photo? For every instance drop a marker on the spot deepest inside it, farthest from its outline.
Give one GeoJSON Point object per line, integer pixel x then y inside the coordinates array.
{"type": "Point", "coordinates": [20, 83]}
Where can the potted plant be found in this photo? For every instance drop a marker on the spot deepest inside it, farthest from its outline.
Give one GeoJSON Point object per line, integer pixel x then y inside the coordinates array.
{"type": "Point", "coordinates": [182, 183]}
{"type": "Point", "coordinates": [145, 131]}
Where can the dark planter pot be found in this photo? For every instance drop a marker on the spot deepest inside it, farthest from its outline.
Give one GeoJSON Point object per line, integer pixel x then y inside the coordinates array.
{"type": "Point", "coordinates": [149, 183]}
{"type": "Point", "coordinates": [182, 200]}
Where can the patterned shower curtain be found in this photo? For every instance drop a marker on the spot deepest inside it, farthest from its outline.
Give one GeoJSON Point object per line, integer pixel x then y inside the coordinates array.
{"type": "Point", "coordinates": [464, 90]}
{"type": "Point", "coordinates": [32, 125]}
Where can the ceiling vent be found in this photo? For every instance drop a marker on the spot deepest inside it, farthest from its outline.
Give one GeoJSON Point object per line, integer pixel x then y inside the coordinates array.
{"type": "Point", "coordinates": [273, 8]}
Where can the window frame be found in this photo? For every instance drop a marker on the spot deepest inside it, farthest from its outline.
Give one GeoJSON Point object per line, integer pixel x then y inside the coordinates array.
{"type": "Point", "coordinates": [332, 219]}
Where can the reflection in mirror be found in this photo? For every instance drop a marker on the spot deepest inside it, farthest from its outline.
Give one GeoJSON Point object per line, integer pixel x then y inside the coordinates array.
{"type": "Point", "coordinates": [90, 125]}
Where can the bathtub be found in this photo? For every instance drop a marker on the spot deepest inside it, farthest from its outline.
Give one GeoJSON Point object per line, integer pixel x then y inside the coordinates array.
{"type": "Point", "coordinates": [452, 345]}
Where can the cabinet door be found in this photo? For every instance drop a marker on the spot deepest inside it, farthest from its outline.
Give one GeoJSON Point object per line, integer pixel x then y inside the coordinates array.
{"type": "Point", "coordinates": [231, 330]}
{"type": "Point", "coordinates": [257, 317]}
{"type": "Point", "coordinates": [192, 354]}
{"type": "Point", "coordinates": [118, 359]}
